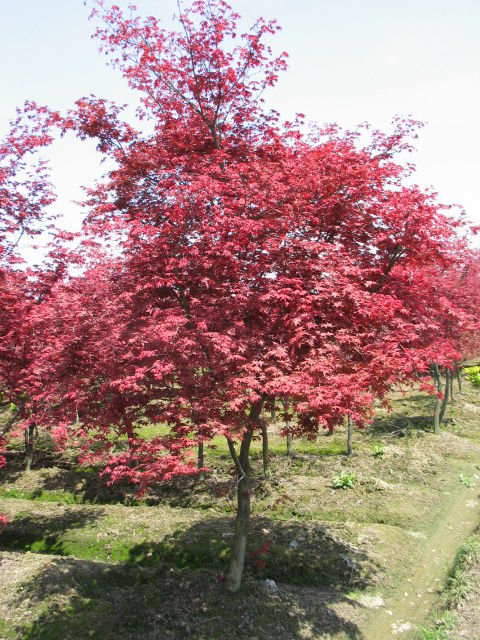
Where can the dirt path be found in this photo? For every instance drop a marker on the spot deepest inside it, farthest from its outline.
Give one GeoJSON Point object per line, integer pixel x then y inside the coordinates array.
{"type": "Point", "coordinates": [406, 610]}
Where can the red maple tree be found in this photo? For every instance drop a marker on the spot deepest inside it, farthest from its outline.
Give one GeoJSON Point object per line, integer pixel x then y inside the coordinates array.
{"type": "Point", "coordinates": [251, 261]}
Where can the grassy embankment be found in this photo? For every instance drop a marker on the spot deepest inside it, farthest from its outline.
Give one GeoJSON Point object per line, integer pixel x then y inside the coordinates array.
{"type": "Point", "coordinates": [80, 559]}
{"type": "Point", "coordinates": [458, 615]}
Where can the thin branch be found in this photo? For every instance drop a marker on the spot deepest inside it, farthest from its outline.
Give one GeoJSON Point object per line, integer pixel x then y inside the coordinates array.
{"type": "Point", "coordinates": [235, 457]}
{"type": "Point", "coordinates": [12, 420]}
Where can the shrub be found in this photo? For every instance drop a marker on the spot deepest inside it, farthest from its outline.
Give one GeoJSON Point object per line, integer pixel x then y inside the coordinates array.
{"type": "Point", "coordinates": [378, 450]}
{"type": "Point", "coordinates": [344, 480]}
{"type": "Point", "coordinates": [473, 375]}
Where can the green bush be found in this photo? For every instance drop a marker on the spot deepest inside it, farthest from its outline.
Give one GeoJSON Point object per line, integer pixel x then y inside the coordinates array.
{"type": "Point", "coordinates": [473, 375]}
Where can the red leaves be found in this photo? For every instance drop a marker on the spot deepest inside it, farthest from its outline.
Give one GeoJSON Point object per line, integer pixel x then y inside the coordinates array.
{"type": "Point", "coordinates": [3, 521]}
{"type": "Point", "coordinates": [250, 261]}
{"type": "Point", "coordinates": [260, 554]}
{"type": "Point", "coordinates": [146, 463]}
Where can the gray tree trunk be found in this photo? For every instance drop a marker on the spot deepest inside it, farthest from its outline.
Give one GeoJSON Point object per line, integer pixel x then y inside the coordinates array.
{"type": "Point", "coordinates": [438, 403]}
{"type": "Point", "coordinates": [201, 460]}
{"type": "Point", "coordinates": [287, 427]}
{"type": "Point", "coordinates": [272, 411]}
{"type": "Point", "coordinates": [349, 436]}
{"type": "Point", "coordinates": [235, 571]}
{"type": "Point", "coordinates": [29, 434]}
{"type": "Point", "coordinates": [459, 379]}
{"type": "Point", "coordinates": [13, 418]}
{"type": "Point", "coordinates": [266, 462]}
{"type": "Point", "coordinates": [234, 575]}
{"type": "Point", "coordinates": [445, 395]}
{"type": "Point", "coordinates": [289, 444]}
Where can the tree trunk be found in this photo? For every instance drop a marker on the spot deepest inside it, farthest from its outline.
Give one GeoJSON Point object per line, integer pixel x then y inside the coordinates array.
{"type": "Point", "coordinates": [272, 411]}
{"type": "Point", "coordinates": [287, 427]}
{"type": "Point", "coordinates": [130, 433]}
{"type": "Point", "coordinates": [29, 434]}
{"type": "Point", "coordinates": [349, 436]}
{"type": "Point", "coordinates": [459, 378]}
{"type": "Point", "coordinates": [445, 395]}
{"type": "Point", "coordinates": [235, 571]}
{"type": "Point", "coordinates": [200, 463]}
{"type": "Point", "coordinates": [452, 399]}
{"type": "Point", "coordinates": [266, 463]}
{"type": "Point", "coordinates": [438, 403]}
{"type": "Point", "coordinates": [289, 444]}
{"type": "Point", "coordinates": [435, 373]}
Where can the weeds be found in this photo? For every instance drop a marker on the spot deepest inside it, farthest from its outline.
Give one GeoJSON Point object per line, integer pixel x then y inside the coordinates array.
{"type": "Point", "coordinates": [467, 481]}
{"type": "Point", "coordinates": [344, 480]}
{"type": "Point", "coordinates": [378, 450]}
{"type": "Point", "coordinates": [440, 631]}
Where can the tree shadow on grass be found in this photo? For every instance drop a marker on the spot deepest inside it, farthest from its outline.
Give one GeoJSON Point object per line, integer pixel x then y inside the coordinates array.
{"type": "Point", "coordinates": [409, 414]}
{"type": "Point", "coordinates": [42, 533]}
{"type": "Point", "coordinates": [81, 599]}
{"type": "Point", "coordinates": [401, 423]}
{"type": "Point", "coordinates": [289, 552]}
{"type": "Point", "coordinates": [401, 426]}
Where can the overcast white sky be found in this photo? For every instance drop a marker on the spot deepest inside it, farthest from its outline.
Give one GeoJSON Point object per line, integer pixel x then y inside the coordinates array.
{"type": "Point", "coordinates": [350, 61]}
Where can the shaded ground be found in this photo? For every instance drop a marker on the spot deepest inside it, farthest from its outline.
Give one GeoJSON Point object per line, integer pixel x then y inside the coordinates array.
{"type": "Point", "coordinates": [81, 560]}
{"type": "Point", "coordinates": [83, 599]}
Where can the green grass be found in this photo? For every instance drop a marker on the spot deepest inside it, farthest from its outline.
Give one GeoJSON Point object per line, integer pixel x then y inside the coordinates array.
{"type": "Point", "coordinates": [7, 632]}
{"type": "Point", "coordinates": [378, 450]}
{"type": "Point", "coordinates": [42, 495]}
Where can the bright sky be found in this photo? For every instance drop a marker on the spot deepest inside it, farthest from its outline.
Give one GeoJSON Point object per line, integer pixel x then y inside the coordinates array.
{"type": "Point", "coordinates": [350, 61]}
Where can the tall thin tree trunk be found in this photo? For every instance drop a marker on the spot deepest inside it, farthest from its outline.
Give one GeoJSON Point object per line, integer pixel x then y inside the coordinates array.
{"type": "Point", "coordinates": [438, 403]}
{"type": "Point", "coordinates": [272, 411]}
{"type": "Point", "coordinates": [287, 427]}
{"type": "Point", "coordinates": [452, 399]}
{"type": "Point", "coordinates": [289, 444]}
{"type": "Point", "coordinates": [129, 431]}
{"type": "Point", "coordinates": [235, 571]}
{"type": "Point", "coordinates": [445, 395]}
{"type": "Point", "coordinates": [234, 575]}
{"type": "Point", "coordinates": [29, 434]}
{"type": "Point", "coordinates": [349, 436]}
{"type": "Point", "coordinates": [266, 462]}
{"type": "Point", "coordinates": [458, 373]}
{"type": "Point", "coordinates": [201, 460]}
